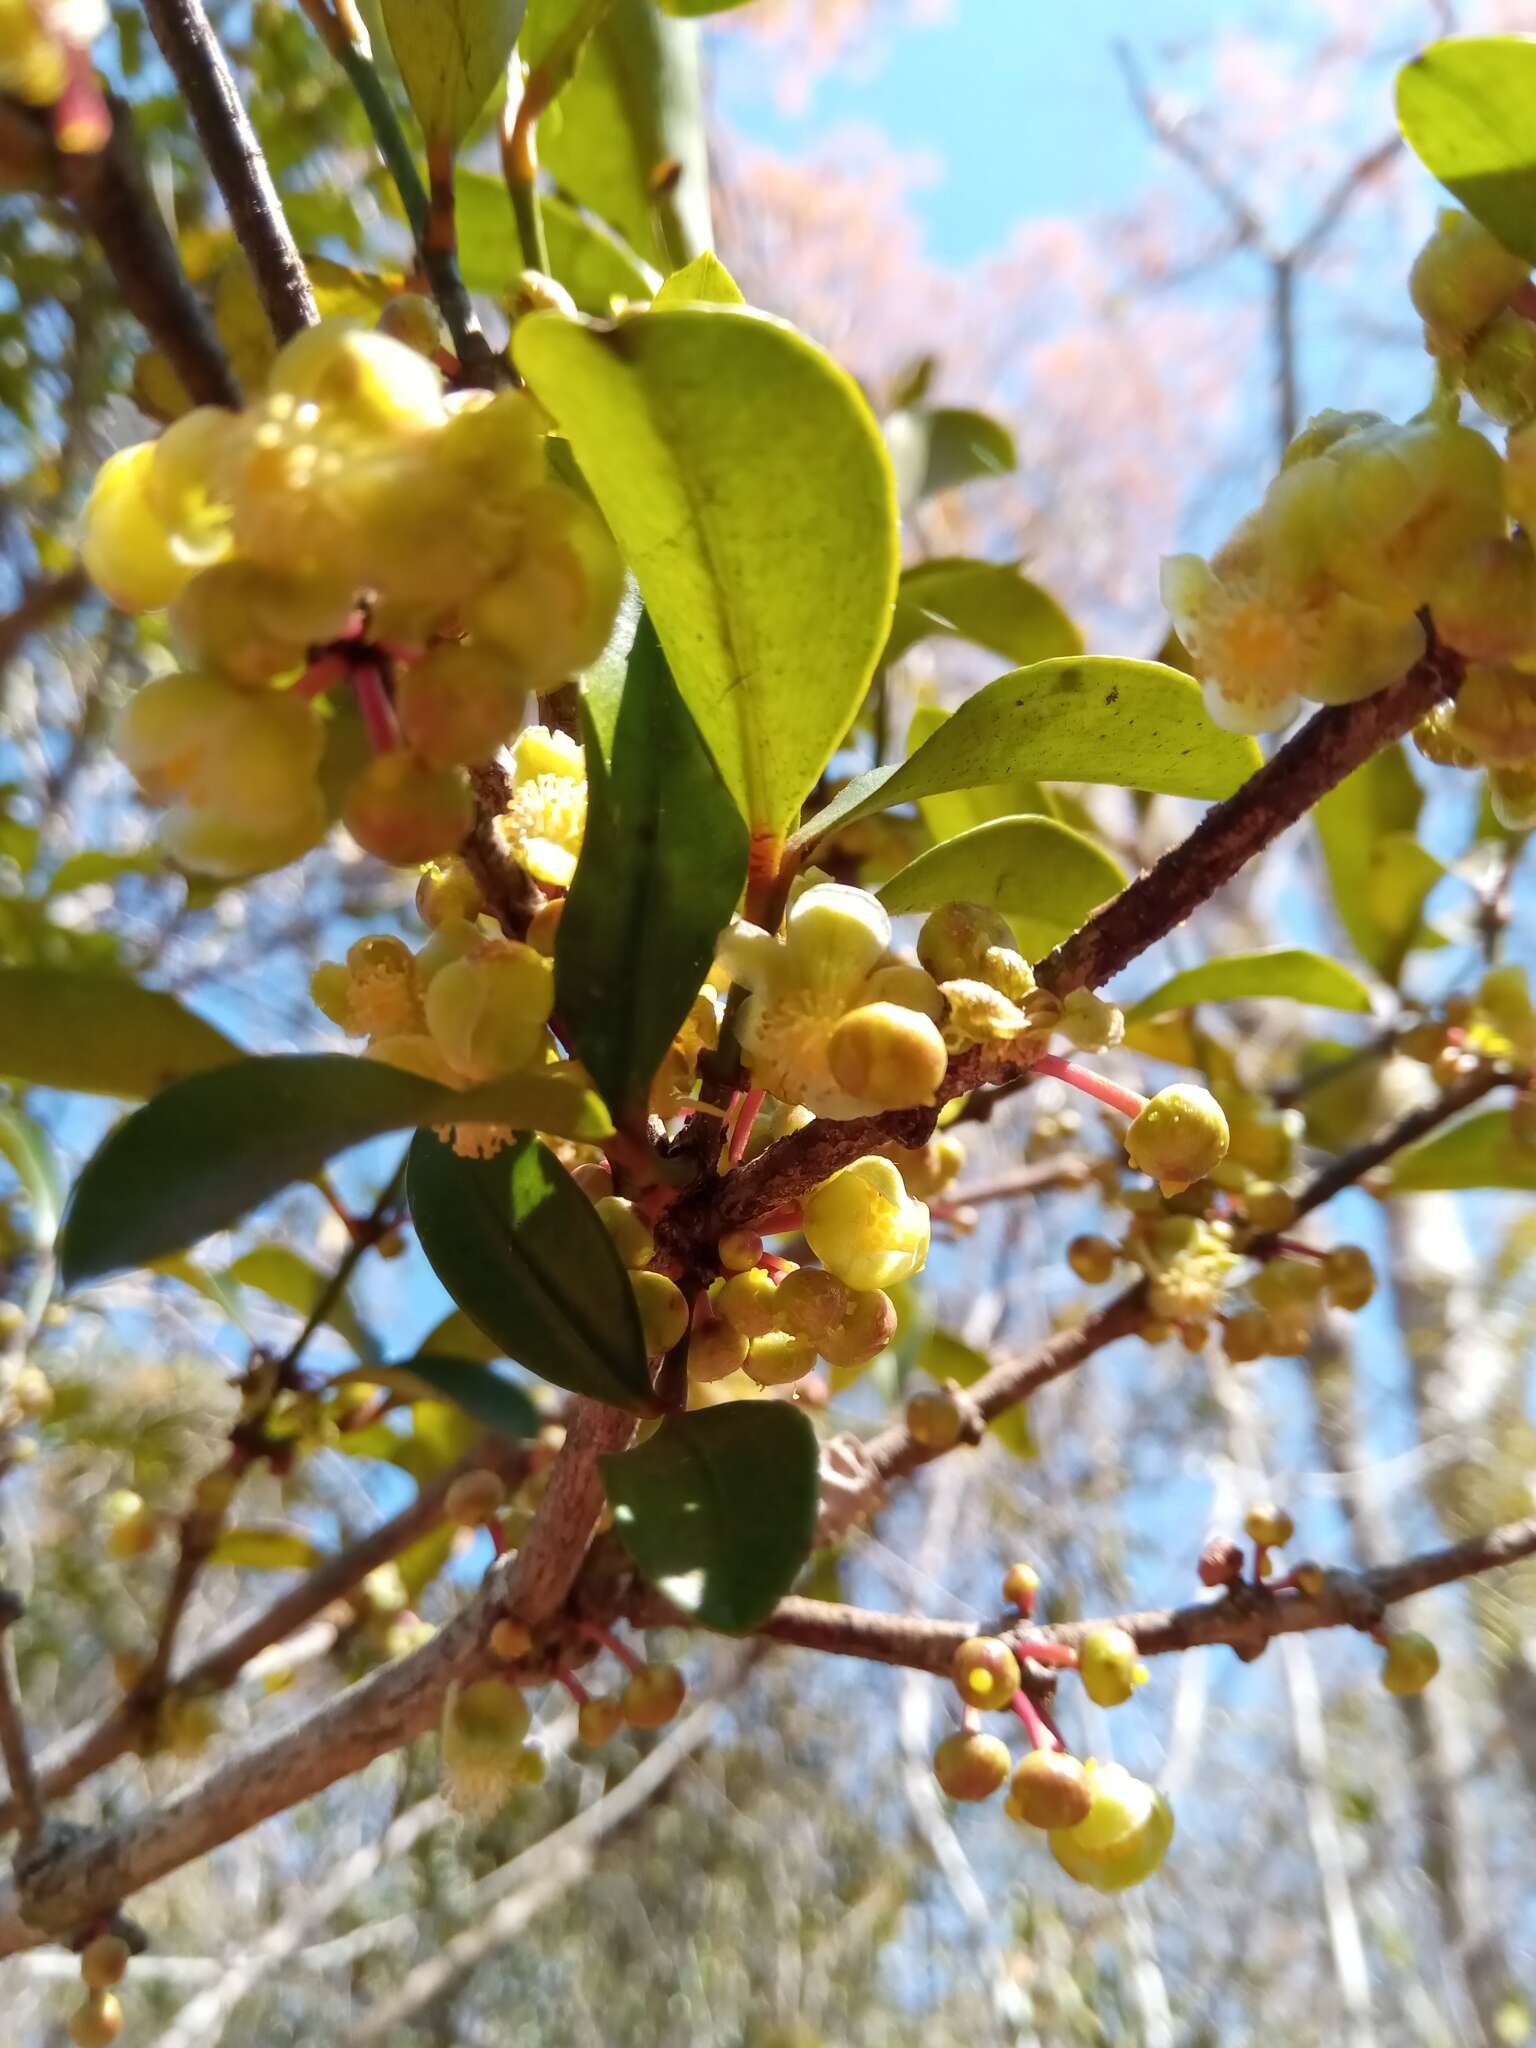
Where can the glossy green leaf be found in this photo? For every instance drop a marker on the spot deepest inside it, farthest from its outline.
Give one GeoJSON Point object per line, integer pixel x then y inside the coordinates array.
{"type": "Point", "coordinates": [938, 447]}
{"type": "Point", "coordinates": [626, 135]}
{"type": "Point", "coordinates": [466, 1384]}
{"type": "Point", "coordinates": [587, 258]}
{"type": "Point", "coordinates": [1288, 973]}
{"type": "Point", "coordinates": [1087, 719]}
{"type": "Point", "coordinates": [1479, 1152]}
{"type": "Point", "coordinates": [944, 1356]}
{"type": "Point", "coordinates": [1045, 878]}
{"type": "Point", "coordinates": [662, 867]}
{"type": "Point", "coordinates": [265, 1550]}
{"type": "Point", "coordinates": [718, 1508]}
{"type": "Point", "coordinates": [452, 55]}
{"type": "Point", "coordinates": [949, 812]}
{"type": "Point", "coordinates": [1378, 872]}
{"type": "Point", "coordinates": [211, 1148]}
{"type": "Point", "coordinates": [1467, 109]}
{"type": "Point", "coordinates": [991, 604]}
{"type": "Point", "coordinates": [279, 1272]}
{"type": "Point", "coordinates": [746, 481]}
{"type": "Point", "coordinates": [703, 282]}
{"type": "Point", "coordinates": [98, 1035]}
{"type": "Point", "coordinates": [522, 1251]}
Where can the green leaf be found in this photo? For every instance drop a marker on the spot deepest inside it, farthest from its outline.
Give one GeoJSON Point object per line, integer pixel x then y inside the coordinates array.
{"type": "Point", "coordinates": [455, 1336]}
{"type": "Point", "coordinates": [704, 281]}
{"type": "Point", "coordinates": [950, 812]}
{"type": "Point", "coordinates": [1286, 972]}
{"type": "Point", "coordinates": [278, 1271]}
{"type": "Point", "coordinates": [662, 867]}
{"type": "Point", "coordinates": [30, 1151]}
{"type": "Point", "coordinates": [522, 1251]}
{"type": "Point", "coordinates": [1045, 878]}
{"type": "Point", "coordinates": [1467, 109]}
{"type": "Point", "coordinates": [1378, 871]}
{"type": "Point", "coordinates": [98, 1035]}
{"type": "Point", "coordinates": [626, 136]}
{"type": "Point", "coordinates": [692, 10]}
{"type": "Point", "coordinates": [588, 259]}
{"type": "Point", "coordinates": [945, 1356]}
{"type": "Point", "coordinates": [1088, 719]}
{"type": "Point", "coordinates": [1479, 1152]}
{"type": "Point", "coordinates": [718, 1508]}
{"type": "Point", "coordinates": [81, 870]}
{"type": "Point", "coordinates": [990, 604]}
{"type": "Point", "coordinates": [746, 481]}
{"type": "Point", "coordinates": [265, 1550]}
{"type": "Point", "coordinates": [212, 1147]}
{"type": "Point", "coordinates": [937, 447]}
{"type": "Point", "coordinates": [452, 55]}
{"type": "Point", "coordinates": [466, 1384]}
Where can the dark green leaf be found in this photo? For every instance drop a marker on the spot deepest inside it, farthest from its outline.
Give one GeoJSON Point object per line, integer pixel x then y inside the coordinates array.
{"type": "Point", "coordinates": [99, 1035]}
{"type": "Point", "coordinates": [1089, 719]}
{"type": "Point", "coordinates": [718, 1508]}
{"type": "Point", "coordinates": [522, 1251]}
{"type": "Point", "coordinates": [1045, 878]}
{"type": "Point", "coordinates": [1467, 109]}
{"type": "Point", "coordinates": [467, 1384]}
{"type": "Point", "coordinates": [212, 1147]}
{"type": "Point", "coordinates": [991, 604]}
{"type": "Point", "coordinates": [662, 867]}
{"type": "Point", "coordinates": [1479, 1152]}
{"type": "Point", "coordinates": [1286, 972]}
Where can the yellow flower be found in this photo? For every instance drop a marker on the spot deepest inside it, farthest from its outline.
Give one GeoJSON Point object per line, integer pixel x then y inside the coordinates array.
{"type": "Point", "coordinates": [546, 813]}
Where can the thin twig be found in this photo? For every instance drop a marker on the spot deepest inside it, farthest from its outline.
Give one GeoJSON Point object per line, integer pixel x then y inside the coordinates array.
{"type": "Point", "coordinates": [235, 157]}
{"type": "Point", "coordinates": [26, 1794]}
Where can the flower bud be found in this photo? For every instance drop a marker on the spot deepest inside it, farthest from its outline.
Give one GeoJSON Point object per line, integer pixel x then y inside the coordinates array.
{"type": "Point", "coordinates": [484, 1727]}
{"type": "Point", "coordinates": [1109, 1666]}
{"type": "Point", "coordinates": [598, 1720]}
{"type": "Point", "coordinates": [487, 1011]}
{"type": "Point", "coordinates": [1090, 1023]}
{"type": "Point", "coordinates": [1050, 1790]}
{"type": "Point", "coordinates": [739, 1251]}
{"type": "Point", "coordinates": [1179, 1137]}
{"type": "Point", "coordinates": [749, 1303]}
{"type": "Point", "coordinates": [715, 1351]}
{"type": "Point", "coordinates": [653, 1695]}
{"type": "Point", "coordinates": [778, 1360]}
{"type": "Point", "coordinates": [986, 1673]}
{"type": "Point", "coordinates": [402, 810]}
{"type": "Point", "coordinates": [1269, 1526]}
{"type": "Point", "coordinates": [934, 1420]}
{"type": "Point", "coordinates": [891, 1057]}
{"type": "Point", "coordinates": [1410, 1663]}
{"type": "Point", "coordinates": [458, 704]}
{"type": "Point", "coordinates": [1350, 1276]}
{"type": "Point", "coordinates": [1092, 1259]}
{"type": "Point", "coordinates": [97, 2023]}
{"type": "Point", "coordinates": [633, 1238]}
{"type": "Point", "coordinates": [869, 1328]}
{"type": "Point", "coordinates": [473, 1498]}
{"type": "Point", "coordinates": [1221, 1562]}
{"type": "Point", "coordinates": [1460, 279]}
{"type": "Point", "coordinates": [1123, 1837]}
{"type": "Point", "coordinates": [969, 1765]}
{"type": "Point", "coordinates": [103, 1962]}
{"type": "Point", "coordinates": [663, 1311]}
{"type": "Point", "coordinates": [1021, 1585]}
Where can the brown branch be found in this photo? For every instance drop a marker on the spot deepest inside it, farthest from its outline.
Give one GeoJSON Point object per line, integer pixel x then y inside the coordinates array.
{"type": "Point", "coordinates": [1039, 1179]}
{"type": "Point", "coordinates": [235, 157]}
{"type": "Point", "coordinates": [541, 1574]}
{"type": "Point", "coordinates": [510, 892]}
{"type": "Point", "coordinates": [220, 1666]}
{"type": "Point", "coordinates": [110, 195]}
{"type": "Point", "coordinates": [38, 604]}
{"type": "Point", "coordinates": [26, 1796]}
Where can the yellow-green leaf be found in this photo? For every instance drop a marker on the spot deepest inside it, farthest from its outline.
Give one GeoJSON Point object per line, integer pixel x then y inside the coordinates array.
{"type": "Point", "coordinates": [945, 1356]}
{"type": "Point", "coordinates": [1045, 878]}
{"type": "Point", "coordinates": [452, 56]}
{"type": "Point", "coordinates": [938, 447]}
{"type": "Point", "coordinates": [1289, 973]}
{"type": "Point", "coordinates": [704, 281]}
{"type": "Point", "coordinates": [98, 1035]}
{"type": "Point", "coordinates": [265, 1550]}
{"type": "Point", "coordinates": [1479, 1152]}
{"type": "Point", "coordinates": [1378, 872]}
{"type": "Point", "coordinates": [745, 478]}
{"type": "Point", "coordinates": [588, 259]}
{"type": "Point", "coordinates": [1088, 719]}
{"type": "Point", "coordinates": [991, 604]}
{"type": "Point", "coordinates": [949, 812]}
{"type": "Point", "coordinates": [1467, 109]}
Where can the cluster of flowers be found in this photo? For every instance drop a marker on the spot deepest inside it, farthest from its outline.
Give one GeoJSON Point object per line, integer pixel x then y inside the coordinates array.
{"type": "Point", "coordinates": [44, 63]}
{"type": "Point", "coordinates": [1318, 593]}
{"type": "Point", "coordinates": [354, 526]}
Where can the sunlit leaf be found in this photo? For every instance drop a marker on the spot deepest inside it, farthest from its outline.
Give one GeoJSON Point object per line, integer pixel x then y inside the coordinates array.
{"type": "Point", "coordinates": [265, 1550]}
{"type": "Point", "coordinates": [1467, 109]}
{"type": "Point", "coordinates": [279, 1272]}
{"type": "Point", "coordinates": [1479, 1152]}
{"type": "Point", "coordinates": [466, 1384]}
{"type": "Point", "coordinates": [938, 447]}
{"type": "Point", "coordinates": [944, 1356]}
{"type": "Point", "coordinates": [1045, 878]}
{"type": "Point", "coordinates": [99, 1035]}
{"type": "Point", "coordinates": [1287, 973]}
{"type": "Point", "coordinates": [704, 281]}
{"type": "Point", "coordinates": [1378, 872]}
{"type": "Point", "coordinates": [452, 55]}
{"type": "Point", "coordinates": [991, 604]}
{"type": "Point", "coordinates": [588, 259]}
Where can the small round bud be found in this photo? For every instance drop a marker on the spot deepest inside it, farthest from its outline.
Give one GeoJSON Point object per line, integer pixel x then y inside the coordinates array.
{"type": "Point", "coordinates": [934, 1420]}
{"type": "Point", "coordinates": [535, 292]}
{"type": "Point", "coordinates": [749, 1303]}
{"type": "Point", "coordinates": [458, 704]}
{"type": "Point", "coordinates": [598, 1720]}
{"type": "Point", "coordinates": [1179, 1137]}
{"type": "Point", "coordinates": [969, 1765]}
{"type": "Point", "coordinates": [413, 319]}
{"type": "Point", "coordinates": [739, 1251]}
{"type": "Point", "coordinates": [663, 1311]}
{"type": "Point", "coordinates": [1350, 1276]}
{"type": "Point", "coordinates": [1310, 1579]}
{"type": "Point", "coordinates": [473, 1498]}
{"type": "Point", "coordinates": [404, 811]}
{"type": "Point", "coordinates": [485, 1725]}
{"type": "Point", "coordinates": [779, 1359]}
{"type": "Point", "coordinates": [1109, 1666]}
{"type": "Point", "coordinates": [1092, 1259]}
{"type": "Point", "coordinates": [715, 1351]}
{"type": "Point", "coordinates": [1050, 1790]}
{"type": "Point", "coordinates": [97, 2023]}
{"type": "Point", "coordinates": [1460, 278]}
{"type": "Point", "coordinates": [870, 1326]}
{"type": "Point", "coordinates": [1499, 371]}
{"type": "Point", "coordinates": [888, 1056]}
{"type": "Point", "coordinates": [986, 1673]}
{"type": "Point", "coordinates": [1269, 1526]}
{"type": "Point", "coordinates": [633, 1238]}
{"type": "Point", "coordinates": [969, 942]}
{"type": "Point", "coordinates": [813, 1304]}
{"type": "Point", "coordinates": [1269, 1206]}
{"type": "Point", "coordinates": [1221, 1562]}
{"type": "Point", "coordinates": [103, 1962]}
{"type": "Point", "coordinates": [510, 1640]}
{"type": "Point", "coordinates": [1410, 1663]}
{"type": "Point", "coordinates": [544, 926]}
{"type": "Point", "coordinates": [653, 1695]}
{"type": "Point", "coordinates": [1090, 1023]}
{"type": "Point", "coordinates": [1021, 1586]}
{"type": "Point", "coordinates": [1124, 1837]}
